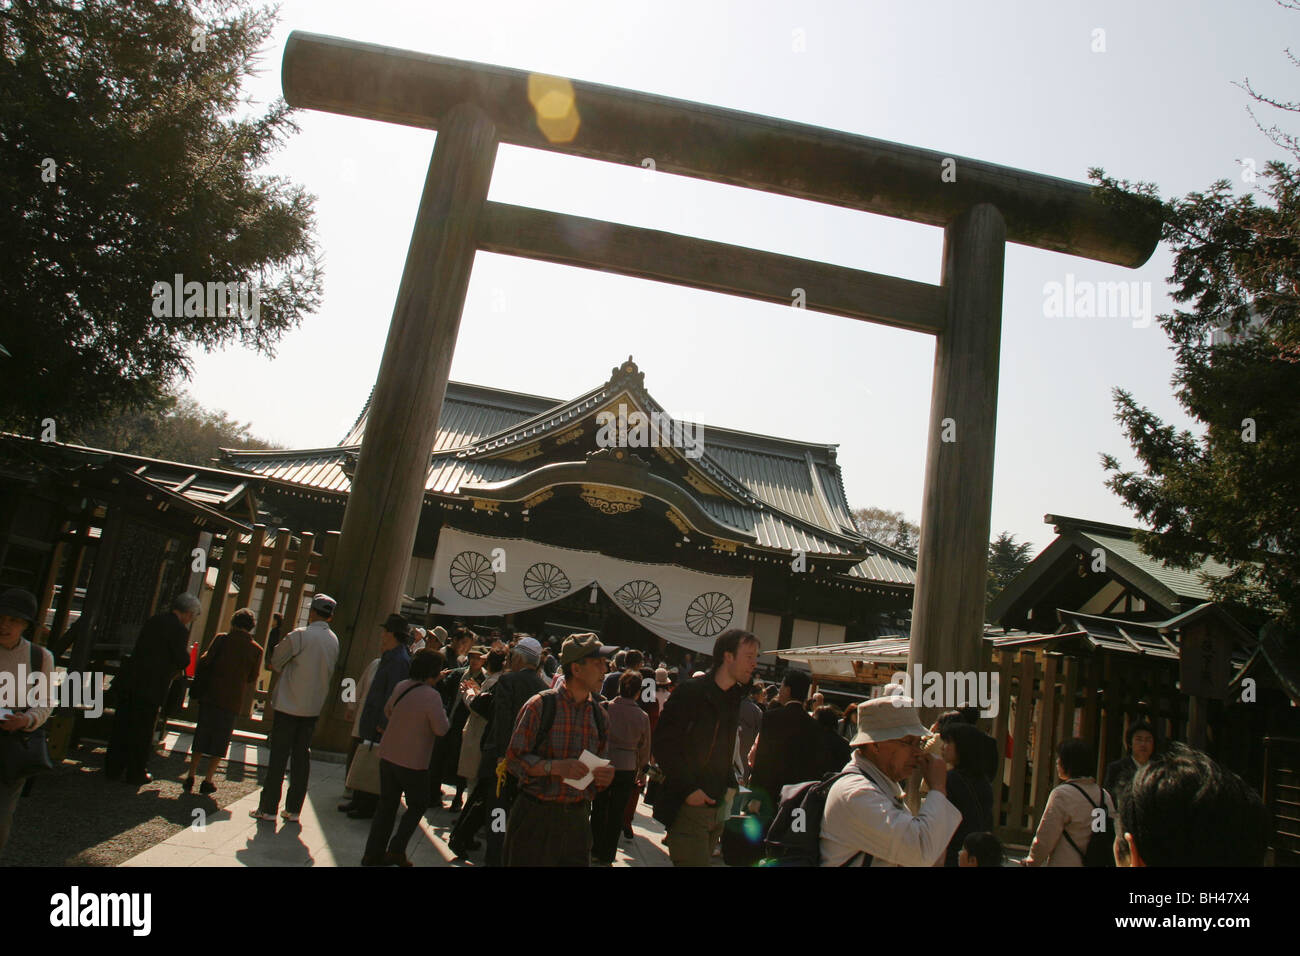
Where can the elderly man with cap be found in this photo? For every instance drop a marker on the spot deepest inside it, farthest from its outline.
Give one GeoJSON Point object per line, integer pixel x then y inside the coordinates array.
{"type": "Point", "coordinates": [514, 689]}
{"type": "Point", "coordinates": [550, 823]}
{"type": "Point", "coordinates": [394, 667]}
{"type": "Point", "coordinates": [305, 660]}
{"type": "Point", "coordinates": [19, 658]}
{"type": "Point", "coordinates": [866, 822]}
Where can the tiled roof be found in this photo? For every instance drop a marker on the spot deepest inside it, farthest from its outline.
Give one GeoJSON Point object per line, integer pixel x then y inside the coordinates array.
{"type": "Point", "coordinates": [786, 494]}
{"type": "Point", "coordinates": [1186, 584]}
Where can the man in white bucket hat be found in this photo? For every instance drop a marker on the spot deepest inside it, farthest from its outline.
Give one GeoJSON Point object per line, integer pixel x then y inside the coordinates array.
{"type": "Point", "coordinates": [865, 822]}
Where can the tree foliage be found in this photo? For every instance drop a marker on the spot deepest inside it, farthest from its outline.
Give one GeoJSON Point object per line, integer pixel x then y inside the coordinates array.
{"type": "Point", "coordinates": [1232, 493]}
{"type": "Point", "coordinates": [180, 430]}
{"type": "Point", "coordinates": [128, 156]}
{"type": "Point", "coordinates": [890, 528]}
{"type": "Point", "coordinates": [1007, 558]}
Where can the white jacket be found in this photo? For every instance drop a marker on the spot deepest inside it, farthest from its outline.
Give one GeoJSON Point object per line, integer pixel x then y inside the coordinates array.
{"type": "Point", "coordinates": [868, 815]}
{"type": "Point", "coordinates": [305, 660]}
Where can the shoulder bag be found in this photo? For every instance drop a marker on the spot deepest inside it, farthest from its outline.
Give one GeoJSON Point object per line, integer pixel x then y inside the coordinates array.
{"type": "Point", "coordinates": [24, 753]}
{"type": "Point", "coordinates": [363, 775]}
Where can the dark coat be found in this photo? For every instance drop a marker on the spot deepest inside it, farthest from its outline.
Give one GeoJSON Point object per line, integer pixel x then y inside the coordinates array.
{"type": "Point", "coordinates": [972, 795]}
{"type": "Point", "coordinates": [509, 695]}
{"type": "Point", "coordinates": [792, 748]}
{"type": "Point", "coordinates": [236, 661]}
{"type": "Point", "coordinates": [161, 653]}
{"type": "Point", "coordinates": [694, 742]}
{"type": "Point", "coordinates": [394, 667]}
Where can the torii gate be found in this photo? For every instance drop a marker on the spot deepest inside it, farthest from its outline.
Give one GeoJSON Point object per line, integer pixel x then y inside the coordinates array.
{"type": "Point", "coordinates": [474, 107]}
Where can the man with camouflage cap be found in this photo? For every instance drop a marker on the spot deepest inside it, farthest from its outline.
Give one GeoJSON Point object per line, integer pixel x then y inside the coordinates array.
{"type": "Point", "coordinates": [550, 822]}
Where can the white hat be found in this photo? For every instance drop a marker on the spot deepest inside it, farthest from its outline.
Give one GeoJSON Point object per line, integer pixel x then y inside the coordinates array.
{"type": "Point", "coordinates": [887, 718]}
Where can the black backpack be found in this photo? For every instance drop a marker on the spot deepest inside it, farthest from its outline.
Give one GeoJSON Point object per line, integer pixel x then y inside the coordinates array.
{"type": "Point", "coordinates": [794, 836]}
{"type": "Point", "coordinates": [1101, 844]}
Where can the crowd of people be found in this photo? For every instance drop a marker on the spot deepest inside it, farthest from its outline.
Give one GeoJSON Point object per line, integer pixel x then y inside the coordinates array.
{"type": "Point", "coordinates": [547, 750]}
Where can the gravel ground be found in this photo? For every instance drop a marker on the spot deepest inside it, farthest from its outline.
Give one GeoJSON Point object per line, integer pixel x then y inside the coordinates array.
{"type": "Point", "coordinates": [78, 817]}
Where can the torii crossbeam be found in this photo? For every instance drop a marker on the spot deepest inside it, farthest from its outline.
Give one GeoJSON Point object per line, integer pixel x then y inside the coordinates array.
{"type": "Point", "coordinates": [475, 107]}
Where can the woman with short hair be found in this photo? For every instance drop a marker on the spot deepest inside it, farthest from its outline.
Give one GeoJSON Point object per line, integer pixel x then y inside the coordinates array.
{"type": "Point", "coordinates": [235, 660]}
{"type": "Point", "coordinates": [1066, 824]}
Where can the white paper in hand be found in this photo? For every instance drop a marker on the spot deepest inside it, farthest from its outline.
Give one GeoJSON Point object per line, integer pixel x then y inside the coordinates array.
{"type": "Point", "coordinates": [591, 761]}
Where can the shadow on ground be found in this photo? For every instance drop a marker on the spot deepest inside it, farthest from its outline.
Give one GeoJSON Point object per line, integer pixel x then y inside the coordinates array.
{"type": "Point", "coordinates": [78, 817]}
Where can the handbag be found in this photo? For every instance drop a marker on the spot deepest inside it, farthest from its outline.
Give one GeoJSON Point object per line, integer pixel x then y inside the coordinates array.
{"type": "Point", "coordinates": [363, 775]}
{"type": "Point", "coordinates": [25, 753]}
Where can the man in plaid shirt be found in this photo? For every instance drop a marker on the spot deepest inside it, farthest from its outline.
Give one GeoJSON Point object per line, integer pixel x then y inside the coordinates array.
{"type": "Point", "coordinates": [549, 825]}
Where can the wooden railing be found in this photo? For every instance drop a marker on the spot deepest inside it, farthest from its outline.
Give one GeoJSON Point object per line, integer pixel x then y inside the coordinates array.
{"type": "Point", "coordinates": [1282, 797]}
{"type": "Point", "coordinates": [1045, 698]}
{"type": "Point", "coordinates": [276, 573]}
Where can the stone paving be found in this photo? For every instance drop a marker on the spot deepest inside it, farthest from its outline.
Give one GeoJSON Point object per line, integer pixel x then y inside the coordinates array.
{"type": "Point", "coordinates": [325, 837]}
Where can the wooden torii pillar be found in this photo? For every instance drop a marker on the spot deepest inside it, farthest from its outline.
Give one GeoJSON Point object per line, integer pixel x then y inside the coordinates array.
{"type": "Point", "coordinates": [474, 107]}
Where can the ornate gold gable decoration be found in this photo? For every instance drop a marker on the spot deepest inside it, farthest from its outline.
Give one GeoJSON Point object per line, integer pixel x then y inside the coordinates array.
{"type": "Point", "coordinates": [538, 498]}
{"type": "Point", "coordinates": [611, 501]}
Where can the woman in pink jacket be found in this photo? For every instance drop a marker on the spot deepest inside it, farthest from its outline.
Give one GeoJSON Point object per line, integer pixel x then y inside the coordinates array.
{"type": "Point", "coordinates": [415, 719]}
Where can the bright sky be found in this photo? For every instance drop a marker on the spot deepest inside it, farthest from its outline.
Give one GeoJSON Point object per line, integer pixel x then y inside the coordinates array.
{"type": "Point", "coordinates": [1011, 83]}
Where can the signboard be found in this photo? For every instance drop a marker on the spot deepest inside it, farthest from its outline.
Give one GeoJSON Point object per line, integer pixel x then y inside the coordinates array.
{"type": "Point", "coordinates": [1204, 665]}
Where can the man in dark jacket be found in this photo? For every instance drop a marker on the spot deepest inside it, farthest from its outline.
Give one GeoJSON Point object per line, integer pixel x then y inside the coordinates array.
{"type": "Point", "coordinates": [1133, 766]}
{"type": "Point", "coordinates": [511, 692]}
{"type": "Point", "coordinates": [446, 751]}
{"type": "Point", "coordinates": [694, 743]}
{"type": "Point", "coordinates": [161, 653]}
{"type": "Point", "coordinates": [394, 667]}
{"type": "Point", "coordinates": [789, 748]}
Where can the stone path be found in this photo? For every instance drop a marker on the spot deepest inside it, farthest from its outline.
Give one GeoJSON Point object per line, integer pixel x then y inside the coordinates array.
{"type": "Point", "coordinates": [325, 837]}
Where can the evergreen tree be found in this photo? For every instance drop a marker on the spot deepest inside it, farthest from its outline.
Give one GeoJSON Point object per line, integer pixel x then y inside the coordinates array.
{"type": "Point", "coordinates": [127, 157]}
{"type": "Point", "coordinates": [1233, 492]}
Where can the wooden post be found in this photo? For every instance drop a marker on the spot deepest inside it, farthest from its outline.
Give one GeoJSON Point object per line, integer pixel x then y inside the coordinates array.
{"type": "Point", "coordinates": [1020, 736]}
{"type": "Point", "coordinates": [46, 597]}
{"type": "Point", "coordinates": [72, 575]}
{"type": "Point", "coordinates": [383, 510]}
{"type": "Point", "coordinates": [301, 565]}
{"type": "Point", "coordinates": [952, 563]}
{"type": "Point", "coordinates": [271, 593]}
{"type": "Point", "coordinates": [1044, 742]}
{"type": "Point", "coordinates": [1066, 725]}
{"type": "Point", "coordinates": [1000, 724]}
{"type": "Point", "coordinates": [224, 572]}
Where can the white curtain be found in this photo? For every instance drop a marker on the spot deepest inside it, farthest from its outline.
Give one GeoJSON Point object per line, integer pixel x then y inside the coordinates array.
{"type": "Point", "coordinates": [479, 576]}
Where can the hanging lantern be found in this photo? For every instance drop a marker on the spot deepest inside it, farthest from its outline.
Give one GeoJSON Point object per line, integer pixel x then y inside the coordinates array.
{"type": "Point", "coordinates": [592, 598]}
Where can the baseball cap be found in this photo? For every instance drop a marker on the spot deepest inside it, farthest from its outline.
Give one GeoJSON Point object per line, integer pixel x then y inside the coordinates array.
{"type": "Point", "coordinates": [529, 649]}
{"type": "Point", "coordinates": [578, 646]}
{"type": "Point", "coordinates": [324, 604]}
{"type": "Point", "coordinates": [891, 717]}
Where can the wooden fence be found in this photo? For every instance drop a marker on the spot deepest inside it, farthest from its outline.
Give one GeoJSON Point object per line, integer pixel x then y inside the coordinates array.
{"type": "Point", "coordinates": [1045, 698]}
{"type": "Point", "coordinates": [1282, 797]}
{"type": "Point", "coordinates": [268, 573]}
